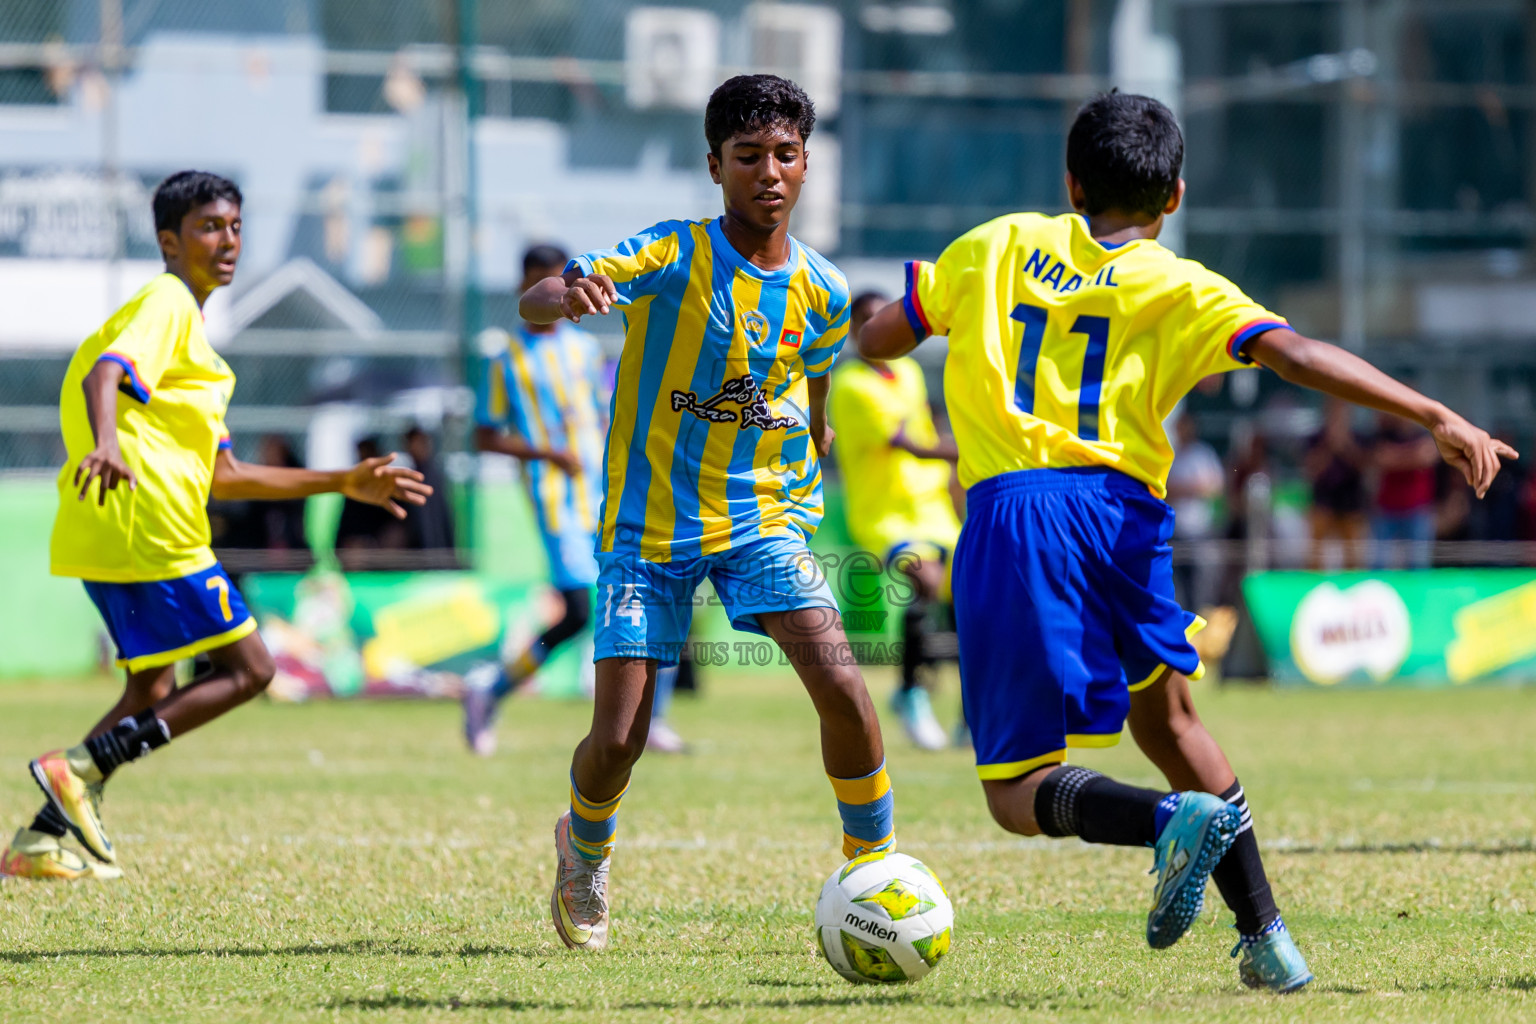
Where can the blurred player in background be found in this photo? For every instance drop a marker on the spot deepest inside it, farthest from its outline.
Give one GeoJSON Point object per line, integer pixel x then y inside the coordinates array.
{"type": "Point", "coordinates": [1071, 339]}
{"type": "Point", "coordinates": [544, 400]}
{"type": "Point", "coordinates": [731, 326]}
{"type": "Point", "coordinates": [142, 411]}
{"type": "Point", "coordinates": [896, 474]}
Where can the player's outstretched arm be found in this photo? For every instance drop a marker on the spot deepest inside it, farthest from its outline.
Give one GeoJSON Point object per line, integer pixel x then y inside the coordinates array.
{"type": "Point", "coordinates": [888, 334]}
{"type": "Point", "coordinates": [1330, 369]}
{"type": "Point", "coordinates": [571, 296]}
{"type": "Point", "coordinates": [489, 439]}
{"type": "Point", "coordinates": [373, 481]}
{"type": "Point", "coordinates": [105, 461]}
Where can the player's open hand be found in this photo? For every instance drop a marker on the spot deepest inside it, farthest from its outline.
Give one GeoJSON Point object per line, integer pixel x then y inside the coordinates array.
{"type": "Point", "coordinates": [106, 463]}
{"type": "Point", "coordinates": [822, 435]}
{"type": "Point", "coordinates": [595, 295]}
{"type": "Point", "coordinates": [376, 482]}
{"type": "Point", "coordinates": [1471, 450]}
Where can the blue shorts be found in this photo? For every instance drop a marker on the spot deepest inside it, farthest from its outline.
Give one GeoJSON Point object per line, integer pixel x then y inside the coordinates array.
{"type": "Point", "coordinates": [644, 608]}
{"type": "Point", "coordinates": [1063, 587]}
{"type": "Point", "coordinates": [160, 623]}
{"type": "Point", "coordinates": [572, 558]}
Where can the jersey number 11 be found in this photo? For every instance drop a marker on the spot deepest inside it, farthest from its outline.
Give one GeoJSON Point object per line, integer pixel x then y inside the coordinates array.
{"type": "Point", "coordinates": [1096, 330]}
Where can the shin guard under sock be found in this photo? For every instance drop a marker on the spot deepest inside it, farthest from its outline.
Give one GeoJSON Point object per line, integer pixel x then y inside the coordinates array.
{"type": "Point", "coordinates": [128, 740]}
{"type": "Point", "coordinates": [1240, 875]}
{"type": "Point", "coordinates": [1079, 802]}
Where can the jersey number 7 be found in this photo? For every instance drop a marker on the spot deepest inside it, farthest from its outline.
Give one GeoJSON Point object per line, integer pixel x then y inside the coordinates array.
{"type": "Point", "coordinates": [1096, 330]}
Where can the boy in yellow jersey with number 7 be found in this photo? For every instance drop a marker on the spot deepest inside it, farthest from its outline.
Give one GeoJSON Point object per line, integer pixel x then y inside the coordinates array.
{"type": "Point", "coordinates": [1071, 339]}
{"type": "Point", "coordinates": [142, 411]}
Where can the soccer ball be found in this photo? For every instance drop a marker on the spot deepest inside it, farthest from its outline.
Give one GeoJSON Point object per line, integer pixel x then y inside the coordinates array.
{"type": "Point", "coordinates": [883, 917]}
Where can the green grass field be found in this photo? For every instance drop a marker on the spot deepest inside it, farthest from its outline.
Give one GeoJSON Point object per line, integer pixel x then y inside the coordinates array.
{"type": "Point", "coordinates": [349, 862]}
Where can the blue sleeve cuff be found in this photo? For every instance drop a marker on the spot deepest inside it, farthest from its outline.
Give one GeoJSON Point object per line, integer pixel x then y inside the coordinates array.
{"type": "Point", "coordinates": [1246, 333]}
{"type": "Point", "coordinates": [911, 306]}
{"type": "Point", "coordinates": [135, 383]}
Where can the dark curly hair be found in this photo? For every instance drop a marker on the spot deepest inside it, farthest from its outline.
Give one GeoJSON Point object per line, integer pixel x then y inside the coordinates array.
{"type": "Point", "coordinates": [184, 191]}
{"type": "Point", "coordinates": [1126, 151]}
{"type": "Point", "coordinates": [750, 103]}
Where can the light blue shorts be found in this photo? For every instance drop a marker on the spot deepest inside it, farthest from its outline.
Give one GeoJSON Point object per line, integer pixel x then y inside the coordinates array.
{"type": "Point", "coordinates": [644, 608]}
{"type": "Point", "coordinates": [572, 558]}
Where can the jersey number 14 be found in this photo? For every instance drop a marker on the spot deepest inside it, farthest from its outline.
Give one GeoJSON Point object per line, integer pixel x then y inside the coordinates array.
{"type": "Point", "coordinates": [1096, 330]}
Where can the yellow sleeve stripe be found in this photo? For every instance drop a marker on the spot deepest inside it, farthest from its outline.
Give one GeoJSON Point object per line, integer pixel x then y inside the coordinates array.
{"type": "Point", "coordinates": [622, 267]}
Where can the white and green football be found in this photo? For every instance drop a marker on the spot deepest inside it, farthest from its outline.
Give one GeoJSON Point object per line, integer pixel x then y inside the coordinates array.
{"type": "Point", "coordinates": [883, 917]}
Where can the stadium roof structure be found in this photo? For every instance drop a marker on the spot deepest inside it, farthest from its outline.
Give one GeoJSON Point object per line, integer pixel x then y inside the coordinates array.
{"type": "Point", "coordinates": [299, 295]}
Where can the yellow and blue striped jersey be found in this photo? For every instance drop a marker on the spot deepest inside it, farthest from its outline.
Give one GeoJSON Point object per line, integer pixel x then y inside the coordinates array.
{"type": "Point", "coordinates": [710, 442]}
{"type": "Point", "coordinates": [552, 389]}
{"type": "Point", "coordinates": [1065, 352]}
{"type": "Point", "coordinates": [170, 427]}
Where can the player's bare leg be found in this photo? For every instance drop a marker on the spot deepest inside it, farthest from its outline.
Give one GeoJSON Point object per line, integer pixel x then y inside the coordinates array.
{"type": "Point", "coordinates": [600, 770]}
{"type": "Point", "coordinates": [35, 851]}
{"type": "Point", "coordinates": [852, 750]}
{"type": "Point", "coordinates": [72, 779]}
{"type": "Point", "coordinates": [1168, 729]}
{"type": "Point", "coordinates": [814, 641]}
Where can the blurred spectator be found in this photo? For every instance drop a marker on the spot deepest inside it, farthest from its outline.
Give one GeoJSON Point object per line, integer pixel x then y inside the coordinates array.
{"type": "Point", "coordinates": [1335, 464]}
{"type": "Point", "coordinates": [1248, 498]}
{"type": "Point", "coordinates": [277, 525]}
{"type": "Point", "coordinates": [363, 528]}
{"type": "Point", "coordinates": [1403, 513]}
{"type": "Point", "coordinates": [1194, 484]}
{"type": "Point", "coordinates": [429, 527]}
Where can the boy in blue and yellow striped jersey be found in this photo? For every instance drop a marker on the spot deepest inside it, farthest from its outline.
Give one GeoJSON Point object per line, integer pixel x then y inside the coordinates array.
{"type": "Point", "coordinates": [718, 419]}
{"type": "Point", "coordinates": [1071, 339]}
{"type": "Point", "coordinates": [543, 399]}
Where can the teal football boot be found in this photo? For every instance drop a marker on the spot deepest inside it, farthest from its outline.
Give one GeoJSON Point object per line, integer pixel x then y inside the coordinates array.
{"type": "Point", "coordinates": [1191, 845]}
{"type": "Point", "coordinates": [1272, 961]}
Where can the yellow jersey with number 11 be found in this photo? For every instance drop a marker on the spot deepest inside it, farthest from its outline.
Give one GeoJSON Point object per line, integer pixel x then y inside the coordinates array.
{"type": "Point", "coordinates": [1064, 352]}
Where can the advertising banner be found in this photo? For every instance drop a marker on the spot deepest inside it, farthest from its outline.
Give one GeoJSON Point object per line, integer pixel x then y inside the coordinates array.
{"type": "Point", "coordinates": [1432, 627]}
{"type": "Point", "coordinates": [401, 634]}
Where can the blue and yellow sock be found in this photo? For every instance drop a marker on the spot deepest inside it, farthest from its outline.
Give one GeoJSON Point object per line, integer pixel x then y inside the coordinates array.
{"type": "Point", "coordinates": [868, 809]}
{"type": "Point", "coordinates": [593, 824]}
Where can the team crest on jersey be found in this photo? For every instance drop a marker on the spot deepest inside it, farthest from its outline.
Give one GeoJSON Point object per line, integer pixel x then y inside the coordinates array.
{"type": "Point", "coordinates": [740, 391]}
{"type": "Point", "coordinates": [754, 325]}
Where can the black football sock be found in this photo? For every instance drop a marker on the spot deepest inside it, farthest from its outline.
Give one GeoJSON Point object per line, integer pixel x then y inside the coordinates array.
{"type": "Point", "coordinates": [49, 820]}
{"type": "Point", "coordinates": [914, 642]}
{"type": "Point", "coordinates": [128, 740]}
{"type": "Point", "coordinates": [1079, 802]}
{"type": "Point", "coordinates": [1240, 875]}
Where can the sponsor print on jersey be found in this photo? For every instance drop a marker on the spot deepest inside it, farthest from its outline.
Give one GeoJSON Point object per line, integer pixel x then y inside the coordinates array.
{"type": "Point", "coordinates": [742, 391]}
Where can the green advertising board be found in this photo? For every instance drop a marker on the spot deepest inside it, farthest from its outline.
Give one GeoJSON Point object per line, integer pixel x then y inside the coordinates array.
{"type": "Point", "coordinates": [1427, 628]}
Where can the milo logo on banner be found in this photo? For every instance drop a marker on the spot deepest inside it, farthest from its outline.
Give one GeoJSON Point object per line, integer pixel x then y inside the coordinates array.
{"type": "Point", "coordinates": [1337, 632]}
{"type": "Point", "coordinates": [1425, 628]}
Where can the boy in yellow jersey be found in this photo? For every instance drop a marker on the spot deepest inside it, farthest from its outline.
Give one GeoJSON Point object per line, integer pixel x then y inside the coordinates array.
{"type": "Point", "coordinates": [1070, 340]}
{"type": "Point", "coordinates": [712, 470]}
{"type": "Point", "coordinates": [896, 474]}
{"type": "Point", "coordinates": [142, 410]}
